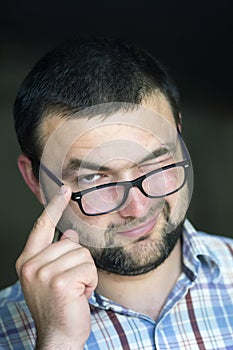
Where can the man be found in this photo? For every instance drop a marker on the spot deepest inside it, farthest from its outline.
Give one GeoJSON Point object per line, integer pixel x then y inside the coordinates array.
{"type": "Point", "coordinates": [111, 263]}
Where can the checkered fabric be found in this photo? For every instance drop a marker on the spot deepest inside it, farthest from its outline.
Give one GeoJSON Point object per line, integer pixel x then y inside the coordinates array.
{"type": "Point", "coordinates": [198, 313]}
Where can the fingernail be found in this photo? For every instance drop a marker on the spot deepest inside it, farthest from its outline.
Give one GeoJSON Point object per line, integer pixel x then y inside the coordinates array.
{"type": "Point", "coordinates": [63, 189]}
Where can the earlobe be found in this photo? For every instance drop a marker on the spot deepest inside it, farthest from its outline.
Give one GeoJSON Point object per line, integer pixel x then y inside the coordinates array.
{"type": "Point", "coordinates": [25, 167]}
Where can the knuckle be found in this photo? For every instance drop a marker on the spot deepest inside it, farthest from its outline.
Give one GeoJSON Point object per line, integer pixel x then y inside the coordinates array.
{"type": "Point", "coordinates": [88, 272]}
{"type": "Point", "coordinates": [92, 266]}
{"type": "Point", "coordinates": [90, 269]}
{"type": "Point", "coordinates": [43, 274]}
{"type": "Point", "coordinates": [86, 255]}
{"type": "Point", "coordinates": [58, 284]}
{"type": "Point", "coordinates": [18, 265]}
{"type": "Point", "coordinates": [39, 223]}
{"type": "Point", "coordinates": [94, 272]}
{"type": "Point", "coordinates": [27, 270]}
{"type": "Point", "coordinates": [94, 275]}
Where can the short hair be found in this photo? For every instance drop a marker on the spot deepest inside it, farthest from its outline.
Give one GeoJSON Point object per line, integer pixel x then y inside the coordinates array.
{"type": "Point", "coordinates": [85, 72]}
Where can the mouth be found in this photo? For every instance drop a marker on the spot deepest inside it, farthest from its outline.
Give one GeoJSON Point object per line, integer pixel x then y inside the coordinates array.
{"type": "Point", "coordinates": [140, 230]}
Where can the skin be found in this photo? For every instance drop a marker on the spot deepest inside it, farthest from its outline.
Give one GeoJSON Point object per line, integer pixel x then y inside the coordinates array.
{"type": "Point", "coordinates": [57, 279]}
{"type": "Point", "coordinates": [56, 298]}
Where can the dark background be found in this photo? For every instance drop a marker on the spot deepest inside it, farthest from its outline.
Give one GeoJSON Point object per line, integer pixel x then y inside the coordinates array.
{"type": "Point", "coordinates": [192, 39]}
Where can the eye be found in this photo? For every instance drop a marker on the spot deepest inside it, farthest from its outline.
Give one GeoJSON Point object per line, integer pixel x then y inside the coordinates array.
{"type": "Point", "coordinates": [89, 179]}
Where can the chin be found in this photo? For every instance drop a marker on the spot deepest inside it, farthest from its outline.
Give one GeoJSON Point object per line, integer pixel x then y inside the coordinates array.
{"type": "Point", "coordinates": [138, 257]}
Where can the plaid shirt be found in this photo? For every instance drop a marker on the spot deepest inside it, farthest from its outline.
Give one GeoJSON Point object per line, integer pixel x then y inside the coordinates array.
{"type": "Point", "coordinates": [198, 313]}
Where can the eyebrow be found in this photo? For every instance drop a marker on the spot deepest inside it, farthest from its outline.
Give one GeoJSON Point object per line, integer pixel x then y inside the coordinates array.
{"type": "Point", "coordinates": [157, 153]}
{"type": "Point", "coordinates": [76, 163]}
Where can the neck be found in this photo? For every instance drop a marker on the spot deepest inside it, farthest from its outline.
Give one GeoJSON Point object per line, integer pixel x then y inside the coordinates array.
{"type": "Point", "coordinates": [145, 293]}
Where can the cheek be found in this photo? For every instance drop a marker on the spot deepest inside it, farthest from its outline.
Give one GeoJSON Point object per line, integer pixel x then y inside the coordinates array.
{"type": "Point", "coordinates": [90, 222]}
{"type": "Point", "coordinates": [178, 203]}
{"type": "Point", "coordinates": [91, 230]}
{"type": "Point", "coordinates": [172, 200]}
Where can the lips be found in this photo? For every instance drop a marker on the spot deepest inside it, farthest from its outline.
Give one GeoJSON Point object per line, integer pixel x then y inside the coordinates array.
{"type": "Point", "coordinates": [140, 230]}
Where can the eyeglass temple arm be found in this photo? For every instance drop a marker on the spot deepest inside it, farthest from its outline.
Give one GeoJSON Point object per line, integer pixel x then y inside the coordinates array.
{"type": "Point", "coordinates": [184, 149]}
{"type": "Point", "coordinates": [51, 175]}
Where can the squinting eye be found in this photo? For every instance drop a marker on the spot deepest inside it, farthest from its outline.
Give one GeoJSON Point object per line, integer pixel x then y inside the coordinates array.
{"type": "Point", "coordinates": [88, 179]}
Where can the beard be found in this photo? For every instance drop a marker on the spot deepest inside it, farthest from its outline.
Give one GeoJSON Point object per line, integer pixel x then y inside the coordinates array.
{"type": "Point", "coordinates": [142, 255]}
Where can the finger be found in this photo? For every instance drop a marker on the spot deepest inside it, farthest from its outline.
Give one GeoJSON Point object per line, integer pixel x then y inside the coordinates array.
{"type": "Point", "coordinates": [52, 253]}
{"type": "Point", "coordinates": [43, 231]}
{"type": "Point", "coordinates": [69, 241]}
{"type": "Point", "coordinates": [71, 235]}
{"type": "Point", "coordinates": [62, 263]}
{"type": "Point", "coordinates": [81, 279]}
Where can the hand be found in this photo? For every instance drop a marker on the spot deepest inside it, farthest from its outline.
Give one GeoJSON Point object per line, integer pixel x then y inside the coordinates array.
{"type": "Point", "coordinates": [57, 280]}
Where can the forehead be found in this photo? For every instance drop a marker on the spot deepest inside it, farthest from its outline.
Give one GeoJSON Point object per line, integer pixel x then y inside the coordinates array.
{"type": "Point", "coordinates": [124, 134]}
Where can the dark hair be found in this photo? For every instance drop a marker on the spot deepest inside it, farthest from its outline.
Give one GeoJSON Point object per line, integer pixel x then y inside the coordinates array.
{"type": "Point", "coordinates": [85, 72]}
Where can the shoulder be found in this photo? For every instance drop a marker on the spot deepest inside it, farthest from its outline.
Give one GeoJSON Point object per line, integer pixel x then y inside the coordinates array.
{"type": "Point", "coordinates": [10, 293]}
{"type": "Point", "coordinates": [211, 250]}
{"type": "Point", "coordinates": [220, 244]}
{"type": "Point", "coordinates": [218, 249]}
{"type": "Point", "coordinates": [203, 243]}
{"type": "Point", "coordinates": [16, 322]}
{"type": "Point", "coordinates": [12, 300]}
{"type": "Point", "coordinates": [12, 303]}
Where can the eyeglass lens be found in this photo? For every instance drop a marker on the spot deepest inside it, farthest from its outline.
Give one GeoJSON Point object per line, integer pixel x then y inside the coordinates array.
{"type": "Point", "coordinates": [157, 184]}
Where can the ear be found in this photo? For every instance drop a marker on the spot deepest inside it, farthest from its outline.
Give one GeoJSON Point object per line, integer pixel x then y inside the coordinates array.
{"type": "Point", "coordinates": [25, 167]}
{"type": "Point", "coordinates": [179, 124]}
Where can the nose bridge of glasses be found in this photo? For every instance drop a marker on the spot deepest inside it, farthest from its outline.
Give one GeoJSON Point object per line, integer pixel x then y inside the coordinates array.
{"type": "Point", "coordinates": [128, 194]}
{"type": "Point", "coordinates": [137, 183]}
{"type": "Point", "coordinates": [135, 203]}
{"type": "Point", "coordinates": [134, 188]}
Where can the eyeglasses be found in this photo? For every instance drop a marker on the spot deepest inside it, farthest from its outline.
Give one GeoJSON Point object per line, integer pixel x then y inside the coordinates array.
{"type": "Point", "coordinates": [106, 198]}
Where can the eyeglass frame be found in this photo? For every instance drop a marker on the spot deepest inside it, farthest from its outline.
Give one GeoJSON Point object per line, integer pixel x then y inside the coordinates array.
{"type": "Point", "coordinates": [77, 196]}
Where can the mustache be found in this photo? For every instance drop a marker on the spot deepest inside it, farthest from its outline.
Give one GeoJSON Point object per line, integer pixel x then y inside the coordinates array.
{"type": "Point", "coordinates": [130, 224]}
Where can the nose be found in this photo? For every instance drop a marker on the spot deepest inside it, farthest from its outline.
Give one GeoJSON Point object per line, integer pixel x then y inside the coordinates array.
{"type": "Point", "coordinates": [136, 204]}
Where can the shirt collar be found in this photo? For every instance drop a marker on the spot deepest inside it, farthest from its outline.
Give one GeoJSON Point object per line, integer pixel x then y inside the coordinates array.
{"type": "Point", "coordinates": [196, 252]}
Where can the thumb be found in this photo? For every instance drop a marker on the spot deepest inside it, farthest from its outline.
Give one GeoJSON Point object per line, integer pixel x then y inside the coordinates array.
{"type": "Point", "coordinates": [70, 234]}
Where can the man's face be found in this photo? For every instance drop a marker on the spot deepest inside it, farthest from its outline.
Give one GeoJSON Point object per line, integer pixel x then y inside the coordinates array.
{"type": "Point", "coordinates": [86, 153]}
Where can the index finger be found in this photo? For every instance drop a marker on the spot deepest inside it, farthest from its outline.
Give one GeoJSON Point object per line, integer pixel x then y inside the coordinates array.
{"type": "Point", "coordinates": [43, 231]}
